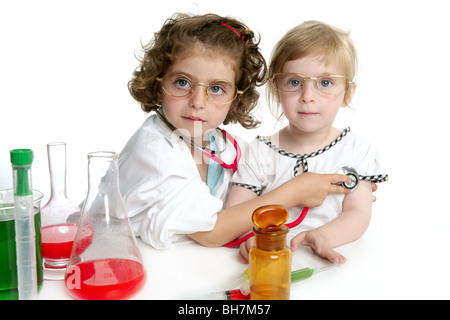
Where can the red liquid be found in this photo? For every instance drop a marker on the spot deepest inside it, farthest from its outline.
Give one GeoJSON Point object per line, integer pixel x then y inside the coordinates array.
{"type": "Point", "coordinates": [57, 241]}
{"type": "Point", "coordinates": [84, 239]}
{"type": "Point", "coordinates": [107, 279]}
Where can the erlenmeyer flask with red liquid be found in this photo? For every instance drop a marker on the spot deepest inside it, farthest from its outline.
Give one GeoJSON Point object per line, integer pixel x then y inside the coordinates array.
{"type": "Point", "coordinates": [105, 262]}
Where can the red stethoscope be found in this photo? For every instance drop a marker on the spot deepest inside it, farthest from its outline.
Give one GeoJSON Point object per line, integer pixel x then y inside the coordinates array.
{"type": "Point", "coordinates": [211, 154]}
{"type": "Point", "coordinates": [208, 152]}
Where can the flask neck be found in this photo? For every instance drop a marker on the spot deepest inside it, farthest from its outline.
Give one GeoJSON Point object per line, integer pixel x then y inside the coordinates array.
{"type": "Point", "coordinates": [57, 167]}
{"type": "Point", "coordinates": [103, 172]}
{"type": "Point", "coordinates": [103, 194]}
{"type": "Point", "coordinates": [271, 239]}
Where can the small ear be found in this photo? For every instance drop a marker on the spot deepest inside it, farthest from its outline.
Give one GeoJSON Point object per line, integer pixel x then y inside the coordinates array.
{"type": "Point", "coordinates": [349, 95]}
{"type": "Point", "coordinates": [159, 95]}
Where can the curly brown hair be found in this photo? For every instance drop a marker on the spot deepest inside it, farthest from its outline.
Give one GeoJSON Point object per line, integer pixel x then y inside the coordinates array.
{"type": "Point", "coordinates": [182, 31]}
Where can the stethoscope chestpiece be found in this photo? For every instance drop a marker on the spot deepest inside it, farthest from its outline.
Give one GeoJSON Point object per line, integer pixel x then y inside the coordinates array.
{"type": "Point", "coordinates": [349, 171]}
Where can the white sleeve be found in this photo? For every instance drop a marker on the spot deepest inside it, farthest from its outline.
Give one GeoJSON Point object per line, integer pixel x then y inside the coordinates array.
{"type": "Point", "coordinates": [249, 173]}
{"type": "Point", "coordinates": [163, 193]}
{"type": "Point", "coordinates": [259, 168]}
{"type": "Point", "coordinates": [366, 158]}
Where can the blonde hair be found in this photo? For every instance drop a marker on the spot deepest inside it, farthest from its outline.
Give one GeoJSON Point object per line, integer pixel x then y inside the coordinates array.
{"type": "Point", "coordinates": [313, 38]}
{"type": "Point", "coordinates": [224, 35]}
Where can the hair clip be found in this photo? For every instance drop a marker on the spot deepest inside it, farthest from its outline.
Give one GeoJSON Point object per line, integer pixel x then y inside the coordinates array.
{"type": "Point", "coordinates": [234, 30]}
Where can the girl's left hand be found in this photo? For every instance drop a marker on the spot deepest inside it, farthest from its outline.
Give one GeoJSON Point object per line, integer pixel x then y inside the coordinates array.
{"type": "Point", "coordinates": [313, 239]}
{"type": "Point", "coordinates": [319, 244]}
{"type": "Point", "coordinates": [245, 249]}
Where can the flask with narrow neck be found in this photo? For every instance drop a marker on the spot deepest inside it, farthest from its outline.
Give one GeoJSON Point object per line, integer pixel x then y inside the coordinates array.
{"type": "Point", "coordinates": [270, 258]}
{"type": "Point", "coordinates": [59, 216]}
{"type": "Point", "coordinates": [105, 262]}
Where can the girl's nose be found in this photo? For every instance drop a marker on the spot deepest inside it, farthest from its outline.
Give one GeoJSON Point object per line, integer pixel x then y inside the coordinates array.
{"type": "Point", "coordinates": [308, 92]}
{"type": "Point", "coordinates": [198, 98]}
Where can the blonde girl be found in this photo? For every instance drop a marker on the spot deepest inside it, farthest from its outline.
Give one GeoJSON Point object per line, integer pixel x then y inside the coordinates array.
{"type": "Point", "coordinates": [311, 78]}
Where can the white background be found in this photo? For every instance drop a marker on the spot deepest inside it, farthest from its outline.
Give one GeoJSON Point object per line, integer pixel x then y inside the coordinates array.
{"type": "Point", "coordinates": [64, 68]}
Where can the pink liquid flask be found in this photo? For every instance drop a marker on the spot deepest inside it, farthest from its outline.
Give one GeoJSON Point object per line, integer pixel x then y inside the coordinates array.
{"type": "Point", "coordinates": [59, 216]}
{"type": "Point", "coordinates": [105, 261]}
{"type": "Point", "coordinates": [106, 279]}
{"type": "Point", "coordinates": [58, 241]}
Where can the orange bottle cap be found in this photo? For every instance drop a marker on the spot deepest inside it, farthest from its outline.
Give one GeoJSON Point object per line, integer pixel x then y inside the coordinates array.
{"type": "Point", "coordinates": [270, 216]}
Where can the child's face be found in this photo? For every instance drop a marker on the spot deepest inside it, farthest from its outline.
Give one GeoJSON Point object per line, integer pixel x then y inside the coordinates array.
{"type": "Point", "coordinates": [197, 113]}
{"type": "Point", "coordinates": [310, 110]}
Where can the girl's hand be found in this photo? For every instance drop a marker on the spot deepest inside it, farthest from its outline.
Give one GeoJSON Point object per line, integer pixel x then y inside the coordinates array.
{"type": "Point", "coordinates": [312, 188]}
{"type": "Point", "coordinates": [319, 244]}
{"type": "Point", "coordinates": [245, 249]}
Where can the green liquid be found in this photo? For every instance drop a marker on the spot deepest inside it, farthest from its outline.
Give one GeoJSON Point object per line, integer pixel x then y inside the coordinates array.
{"type": "Point", "coordinates": [8, 266]}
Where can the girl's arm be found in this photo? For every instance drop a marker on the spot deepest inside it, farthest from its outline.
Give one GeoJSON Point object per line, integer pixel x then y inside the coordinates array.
{"type": "Point", "coordinates": [238, 195]}
{"type": "Point", "coordinates": [347, 227]}
{"type": "Point", "coordinates": [307, 189]}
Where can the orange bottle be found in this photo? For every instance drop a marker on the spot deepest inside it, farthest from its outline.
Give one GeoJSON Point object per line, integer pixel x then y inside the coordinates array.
{"type": "Point", "coordinates": [270, 258]}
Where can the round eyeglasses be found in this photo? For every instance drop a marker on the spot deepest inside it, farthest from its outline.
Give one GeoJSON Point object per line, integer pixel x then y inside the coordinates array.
{"type": "Point", "coordinates": [292, 82]}
{"type": "Point", "coordinates": [218, 91]}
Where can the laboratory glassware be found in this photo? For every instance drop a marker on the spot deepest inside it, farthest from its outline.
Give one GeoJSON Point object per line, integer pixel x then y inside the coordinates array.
{"type": "Point", "coordinates": [25, 233]}
{"type": "Point", "coordinates": [105, 262]}
{"type": "Point", "coordinates": [270, 258]}
{"type": "Point", "coordinates": [8, 264]}
{"type": "Point", "coordinates": [59, 216]}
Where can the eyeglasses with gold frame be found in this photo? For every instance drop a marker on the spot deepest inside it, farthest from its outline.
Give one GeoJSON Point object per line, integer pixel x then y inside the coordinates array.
{"type": "Point", "coordinates": [293, 82]}
{"type": "Point", "coordinates": [219, 91]}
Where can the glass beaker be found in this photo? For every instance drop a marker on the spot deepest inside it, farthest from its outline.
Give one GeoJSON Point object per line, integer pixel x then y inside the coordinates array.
{"type": "Point", "coordinates": [105, 262]}
{"type": "Point", "coordinates": [8, 264]}
{"type": "Point", "coordinates": [59, 216]}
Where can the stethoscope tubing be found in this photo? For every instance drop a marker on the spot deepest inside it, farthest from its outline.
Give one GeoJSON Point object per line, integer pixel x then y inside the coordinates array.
{"type": "Point", "coordinates": [207, 152]}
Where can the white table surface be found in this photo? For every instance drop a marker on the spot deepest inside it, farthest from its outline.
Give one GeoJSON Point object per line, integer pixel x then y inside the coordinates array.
{"type": "Point", "coordinates": [388, 262]}
{"type": "Point", "coordinates": [190, 271]}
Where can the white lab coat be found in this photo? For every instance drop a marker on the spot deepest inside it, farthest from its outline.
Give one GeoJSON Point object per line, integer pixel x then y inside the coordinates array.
{"type": "Point", "coordinates": [163, 193]}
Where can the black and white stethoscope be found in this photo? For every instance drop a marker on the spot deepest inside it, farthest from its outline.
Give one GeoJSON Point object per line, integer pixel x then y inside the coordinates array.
{"type": "Point", "coordinates": [208, 152]}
